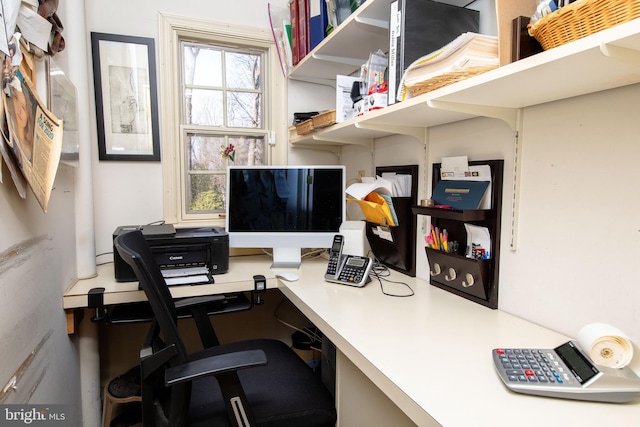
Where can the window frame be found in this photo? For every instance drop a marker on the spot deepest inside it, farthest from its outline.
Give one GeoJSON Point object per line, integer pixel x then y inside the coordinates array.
{"type": "Point", "coordinates": [173, 29]}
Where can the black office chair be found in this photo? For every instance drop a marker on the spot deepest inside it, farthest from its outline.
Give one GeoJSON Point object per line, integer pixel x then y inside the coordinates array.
{"type": "Point", "coordinates": [259, 382]}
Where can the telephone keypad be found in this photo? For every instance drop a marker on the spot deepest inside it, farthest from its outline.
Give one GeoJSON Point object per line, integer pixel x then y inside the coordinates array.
{"type": "Point", "coordinates": [332, 267]}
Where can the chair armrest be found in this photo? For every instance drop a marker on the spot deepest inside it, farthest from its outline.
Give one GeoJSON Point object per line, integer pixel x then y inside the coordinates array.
{"type": "Point", "coordinates": [214, 365]}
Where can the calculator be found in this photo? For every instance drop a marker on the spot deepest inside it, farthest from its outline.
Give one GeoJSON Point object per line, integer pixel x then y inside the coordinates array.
{"type": "Point", "coordinates": [564, 372]}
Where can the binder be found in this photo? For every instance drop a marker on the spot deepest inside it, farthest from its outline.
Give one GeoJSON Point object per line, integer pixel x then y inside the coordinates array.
{"type": "Point", "coordinates": [417, 27]}
{"type": "Point", "coordinates": [318, 22]}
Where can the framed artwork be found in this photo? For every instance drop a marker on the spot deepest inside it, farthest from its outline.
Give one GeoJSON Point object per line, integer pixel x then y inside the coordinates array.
{"type": "Point", "coordinates": [126, 97]}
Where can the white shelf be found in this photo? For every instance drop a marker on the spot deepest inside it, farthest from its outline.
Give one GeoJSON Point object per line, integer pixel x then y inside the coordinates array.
{"type": "Point", "coordinates": [348, 46]}
{"type": "Point", "coordinates": [605, 60]}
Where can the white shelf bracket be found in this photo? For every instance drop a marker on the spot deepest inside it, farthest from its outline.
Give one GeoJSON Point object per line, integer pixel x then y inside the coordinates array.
{"type": "Point", "coordinates": [631, 56]}
{"type": "Point", "coordinates": [418, 133]}
{"type": "Point", "coordinates": [318, 81]}
{"type": "Point", "coordinates": [508, 115]}
{"type": "Point", "coordinates": [338, 59]}
{"type": "Point", "coordinates": [364, 142]}
{"type": "Point", "coordinates": [334, 149]}
{"type": "Point", "coordinates": [379, 23]}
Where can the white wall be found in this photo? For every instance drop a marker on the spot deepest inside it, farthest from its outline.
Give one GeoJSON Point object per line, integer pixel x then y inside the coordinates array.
{"type": "Point", "coordinates": [579, 222]}
{"type": "Point", "coordinates": [37, 263]}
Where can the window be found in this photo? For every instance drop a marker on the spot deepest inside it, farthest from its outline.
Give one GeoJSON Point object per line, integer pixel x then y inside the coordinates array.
{"type": "Point", "coordinates": [222, 107]}
{"type": "Point", "coordinates": [221, 117]}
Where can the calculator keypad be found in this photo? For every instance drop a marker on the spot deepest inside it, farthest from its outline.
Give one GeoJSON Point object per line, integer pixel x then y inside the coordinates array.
{"type": "Point", "coordinates": [534, 366]}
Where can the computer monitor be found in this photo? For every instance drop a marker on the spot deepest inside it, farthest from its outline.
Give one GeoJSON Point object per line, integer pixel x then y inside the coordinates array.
{"type": "Point", "coordinates": [286, 208]}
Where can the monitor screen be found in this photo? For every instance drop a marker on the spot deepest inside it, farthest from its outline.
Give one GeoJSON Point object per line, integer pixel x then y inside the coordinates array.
{"type": "Point", "coordinates": [286, 208]}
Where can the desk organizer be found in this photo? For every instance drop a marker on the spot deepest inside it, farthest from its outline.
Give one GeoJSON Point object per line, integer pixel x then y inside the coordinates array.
{"type": "Point", "coordinates": [399, 253]}
{"type": "Point", "coordinates": [465, 275]}
{"type": "Point", "coordinates": [470, 278]}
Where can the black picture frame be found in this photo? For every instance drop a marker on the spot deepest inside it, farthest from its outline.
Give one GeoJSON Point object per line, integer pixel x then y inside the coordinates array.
{"type": "Point", "coordinates": [125, 85]}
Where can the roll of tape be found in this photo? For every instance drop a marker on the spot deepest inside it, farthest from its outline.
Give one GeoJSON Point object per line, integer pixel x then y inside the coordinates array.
{"type": "Point", "coordinates": [606, 345]}
{"type": "Point", "coordinates": [427, 203]}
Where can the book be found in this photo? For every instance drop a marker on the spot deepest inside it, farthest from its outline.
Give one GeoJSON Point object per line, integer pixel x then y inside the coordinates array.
{"type": "Point", "coordinates": [318, 21]}
{"type": "Point", "coordinates": [417, 27]}
{"type": "Point", "coordinates": [303, 28]}
{"type": "Point", "coordinates": [294, 17]}
{"type": "Point", "coordinates": [460, 195]}
{"type": "Point", "coordinates": [465, 51]}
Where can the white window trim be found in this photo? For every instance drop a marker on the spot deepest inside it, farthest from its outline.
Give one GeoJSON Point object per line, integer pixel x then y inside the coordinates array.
{"type": "Point", "coordinates": [171, 28]}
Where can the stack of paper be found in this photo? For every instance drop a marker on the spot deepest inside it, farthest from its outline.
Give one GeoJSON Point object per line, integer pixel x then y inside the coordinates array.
{"type": "Point", "coordinates": [467, 51]}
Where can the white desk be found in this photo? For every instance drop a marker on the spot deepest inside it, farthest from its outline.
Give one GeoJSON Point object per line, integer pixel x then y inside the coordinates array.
{"type": "Point", "coordinates": [239, 278]}
{"type": "Point", "coordinates": [425, 359]}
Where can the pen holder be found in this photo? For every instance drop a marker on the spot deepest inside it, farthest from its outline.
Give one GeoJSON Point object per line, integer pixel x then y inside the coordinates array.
{"type": "Point", "coordinates": [459, 274]}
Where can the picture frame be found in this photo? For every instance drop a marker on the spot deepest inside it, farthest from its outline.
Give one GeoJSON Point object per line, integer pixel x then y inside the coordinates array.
{"type": "Point", "coordinates": [125, 86]}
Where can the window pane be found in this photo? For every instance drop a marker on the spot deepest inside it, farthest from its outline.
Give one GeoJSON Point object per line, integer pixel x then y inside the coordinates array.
{"type": "Point", "coordinates": [204, 107]}
{"type": "Point", "coordinates": [202, 66]}
{"type": "Point", "coordinates": [243, 110]}
{"type": "Point", "coordinates": [204, 153]}
{"type": "Point", "coordinates": [248, 151]}
{"type": "Point", "coordinates": [207, 192]}
{"type": "Point", "coordinates": [243, 71]}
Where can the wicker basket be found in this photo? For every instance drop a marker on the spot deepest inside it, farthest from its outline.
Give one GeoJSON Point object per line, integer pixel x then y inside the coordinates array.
{"type": "Point", "coordinates": [325, 119]}
{"type": "Point", "coordinates": [305, 127]}
{"type": "Point", "coordinates": [446, 79]}
{"type": "Point", "coordinates": [582, 18]}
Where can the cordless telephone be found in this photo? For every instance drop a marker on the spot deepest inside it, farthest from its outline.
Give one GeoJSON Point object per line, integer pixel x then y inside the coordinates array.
{"type": "Point", "coordinates": [334, 256]}
{"type": "Point", "coordinates": [350, 270]}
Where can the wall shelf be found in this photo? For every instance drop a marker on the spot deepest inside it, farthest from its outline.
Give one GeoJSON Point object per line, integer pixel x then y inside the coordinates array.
{"type": "Point", "coordinates": [605, 60]}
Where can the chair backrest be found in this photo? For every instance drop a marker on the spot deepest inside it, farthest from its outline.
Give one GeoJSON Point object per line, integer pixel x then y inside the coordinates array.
{"type": "Point", "coordinates": [167, 406]}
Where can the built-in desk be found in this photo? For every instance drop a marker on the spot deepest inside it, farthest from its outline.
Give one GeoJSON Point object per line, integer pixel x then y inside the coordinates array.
{"type": "Point", "coordinates": [423, 360]}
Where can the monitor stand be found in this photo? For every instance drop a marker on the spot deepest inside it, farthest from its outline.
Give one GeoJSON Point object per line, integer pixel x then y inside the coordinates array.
{"type": "Point", "coordinates": [286, 258]}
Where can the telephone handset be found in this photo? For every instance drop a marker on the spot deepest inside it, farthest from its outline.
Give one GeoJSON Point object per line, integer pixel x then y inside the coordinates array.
{"type": "Point", "coordinates": [335, 253]}
{"type": "Point", "coordinates": [350, 270]}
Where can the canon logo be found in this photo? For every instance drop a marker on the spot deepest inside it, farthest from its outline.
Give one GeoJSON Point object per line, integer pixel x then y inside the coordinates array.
{"type": "Point", "coordinates": [174, 258]}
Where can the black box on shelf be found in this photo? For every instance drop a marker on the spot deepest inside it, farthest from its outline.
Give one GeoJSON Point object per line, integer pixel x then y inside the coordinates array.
{"type": "Point", "coordinates": [419, 27]}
